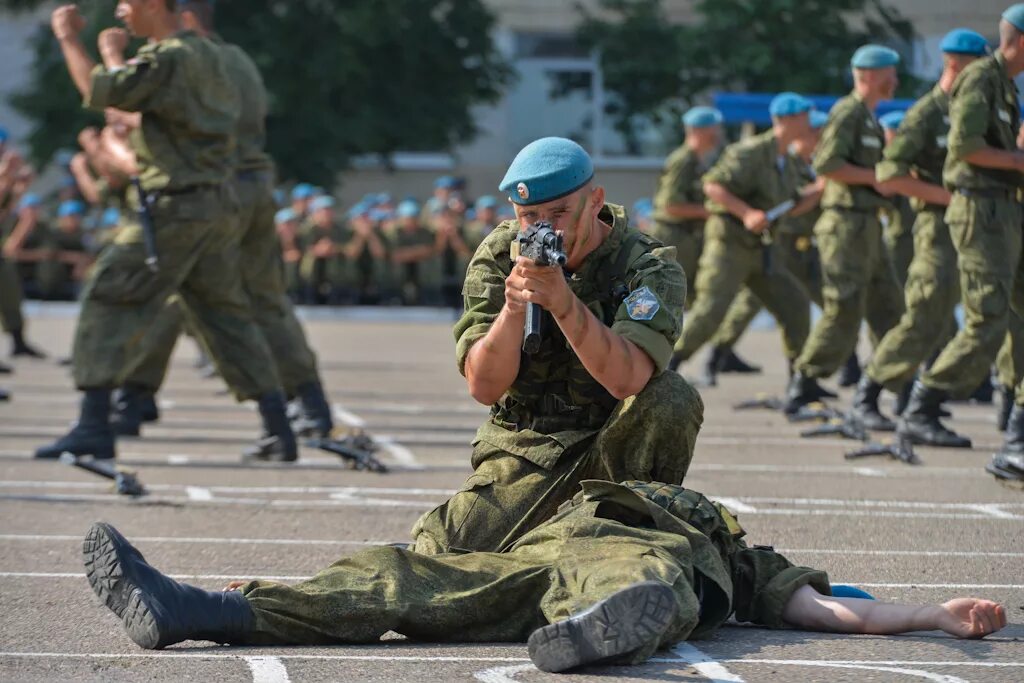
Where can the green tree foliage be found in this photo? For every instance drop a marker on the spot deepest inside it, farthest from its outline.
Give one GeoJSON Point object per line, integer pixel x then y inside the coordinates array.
{"type": "Point", "coordinates": [653, 69]}
{"type": "Point", "coordinates": [346, 77]}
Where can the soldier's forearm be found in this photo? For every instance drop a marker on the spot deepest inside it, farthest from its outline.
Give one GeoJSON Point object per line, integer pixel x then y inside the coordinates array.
{"type": "Point", "coordinates": [686, 211]}
{"type": "Point", "coordinates": [79, 63]}
{"type": "Point", "coordinates": [809, 609]}
{"type": "Point", "coordinates": [733, 204]}
{"type": "Point", "coordinates": [493, 362]}
{"type": "Point", "coordinates": [848, 174]}
{"type": "Point", "coordinates": [909, 186]}
{"type": "Point", "coordinates": [990, 157]}
{"type": "Point", "coordinates": [618, 364]}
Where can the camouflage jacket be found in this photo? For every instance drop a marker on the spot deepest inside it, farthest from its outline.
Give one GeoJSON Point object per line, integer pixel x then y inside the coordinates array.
{"type": "Point", "coordinates": [853, 136]}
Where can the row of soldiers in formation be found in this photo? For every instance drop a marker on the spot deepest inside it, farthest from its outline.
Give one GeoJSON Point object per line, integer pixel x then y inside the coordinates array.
{"type": "Point", "coordinates": [927, 199]}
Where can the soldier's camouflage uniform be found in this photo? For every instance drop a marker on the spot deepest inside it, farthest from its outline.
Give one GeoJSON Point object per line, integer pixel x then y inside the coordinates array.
{"type": "Point", "coordinates": [898, 236]}
{"type": "Point", "coordinates": [556, 425]}
{"type": "Point", "coordinates": [184, 149]}
{"type": "Point", "coordinates": [734, 257]}
{"type": "Point", "coordinates": [857, 280]}
{"type": "Point", "coordinates": [608, 537]}
{"type": "Point", "coordinates": [794, 249]}
{"type": "Point", "coordinates": [931, 291]}
{"type": "Point", "coordinates": [984, 220]}
{"type": "Point", "coordinates": [262, 269]}
{"type": "Point", "coordinates": [680, 183]}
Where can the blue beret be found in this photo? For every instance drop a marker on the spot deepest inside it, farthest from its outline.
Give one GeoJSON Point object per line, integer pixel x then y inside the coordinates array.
{"type": "Point", "coordinates": [110, 217]}
{"type": "Point", "coordinates": [445, 182]}
{"type": "Point", "coordinates": [818, 119]}
{"type": "Point", "coordinates": [379, 215]}
{"type": "Point", "coordinates": [3, 135]}
{"type": "Point", "coordinates": [486, 202]}
{"type": "Point", "coordinates": [892, 120]}
{"type": "Point", "coordinates": [1015, 15]}
{"type": "Point", "coordinates": [843, 591]}
{"type": "Point", "coordinates": [360, 209]}
{"type": "Point", "coordinates": [789, 104]}
{"type": "Point", "coordinates": [964, 41]}
{"type": "Point", "coordinates": [284, 216]}
{"type": "Point", "coordinates": [545, 170]}
{"type": "Point", "coordinates": [31, 199]}
{"type": "Point", "coordinates": [302, 191]}
{"type": "Point", "coordinates": [702, 117]}
{"type": "Point", "coordinates": [874, 57]}
{"type": "Point", "coordinates": [408, 209]}
{"type": "Point", "coordinates": [383, 198]}
{"type": "Point", "coordinates": [321, 202]}
{"type": "Point", "coordinates": [72, 207]}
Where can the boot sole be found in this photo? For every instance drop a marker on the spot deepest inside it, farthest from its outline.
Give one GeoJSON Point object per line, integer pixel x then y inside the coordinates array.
{"type": "Point", "coordinates": [103, 567]}
{"type": "Point", "coordinates": [141, 622]}
{"type": "Point", "coordinates": [619, 624]}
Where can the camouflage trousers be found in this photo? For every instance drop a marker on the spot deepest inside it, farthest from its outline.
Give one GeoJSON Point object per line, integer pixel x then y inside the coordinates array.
{"type": "Point", "coordinates": [649, 437]}
{"type": "Point", "coordinates": [197, 243]}
{"type": "Point", "coordinates": [689, 243]}
{"type": "Point", "coordinates": [10, 297]}
{"type": "Point", "coordinates": [899, 249]}
{"type": "Point", "coordinates": [930, 295]}
{"type": "Point", "coordinates": [857, 284]}
{"type": "Point", "coordinates": [729, 263]}
{"type": "Point", "coordinates": [986, 233]}
{"type": "Point", "coordinates": [795, 253]}
{"type": "Point", "coordinates": [264, 285]}
{"type": "Point", "coordinates": [1010, 361]}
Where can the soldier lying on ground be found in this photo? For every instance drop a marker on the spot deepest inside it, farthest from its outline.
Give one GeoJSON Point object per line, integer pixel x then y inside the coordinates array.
{"type": "Point", "coordinates": [620, 571]}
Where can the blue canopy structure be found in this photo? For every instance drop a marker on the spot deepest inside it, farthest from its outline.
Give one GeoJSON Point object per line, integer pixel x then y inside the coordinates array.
{"type": "Point", "coordinates": [753, 107]}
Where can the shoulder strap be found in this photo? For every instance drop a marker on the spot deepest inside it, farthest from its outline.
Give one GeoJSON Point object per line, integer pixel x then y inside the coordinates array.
{"type": "Point", "coordinates": [618, 283]}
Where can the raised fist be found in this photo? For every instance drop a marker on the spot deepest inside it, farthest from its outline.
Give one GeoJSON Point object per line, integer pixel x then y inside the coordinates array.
{"type": "Point", "coordinates": [66, 22]}
{"type": "Point", "coordinates": [113, 41]}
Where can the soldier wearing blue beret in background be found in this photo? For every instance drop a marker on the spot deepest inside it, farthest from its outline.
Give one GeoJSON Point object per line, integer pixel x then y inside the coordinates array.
{"type": "Point", "coordinates": [858, 282]}
{"type": "Point", "coordinates": [751, 177]}
{"type": "Point", "coordinates": [594, 401]}
{"type": "Point", "coordinates": [983, 170]}
{"type": "Point", "coordinates": [912, 166]}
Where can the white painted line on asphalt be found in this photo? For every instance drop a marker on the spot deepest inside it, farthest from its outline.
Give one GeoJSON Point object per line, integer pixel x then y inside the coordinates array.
{"type": "Point", "coordinates": [736, 505]}
{"type": "Point", "coordinates": [884, 553]}
{"type": "Point", "coordinates": [178, 459]}
{"type": "Point", "coordinates": [196, 539]}
{"type": "Point", "coordinates": [267, 670]}
{"type": "Point", "coordinates": [226, 653]}
{"type": "Point", "coordinates": [400, 453]}
{"type": "Point", "coordinates": [920, 673]}
{"type": "Point", "coordinates": [503, 674]}
{"type": "Point", "coordinates": [229, 577]}
{"type": "Point", "coordinates": [929, 471]}
{"type": "Point", "coordinates": [995, 510]}
{"type": "Point", "coordinates": [198, 493]}
{"type": "Point", "coordinates": [237, 489]}
{"type": "Point", "coordinates": [708, 667]}
{"type": "Point", "coordinates": [870, 472]}
{"type": "Point", "coordinates": [348, 418]}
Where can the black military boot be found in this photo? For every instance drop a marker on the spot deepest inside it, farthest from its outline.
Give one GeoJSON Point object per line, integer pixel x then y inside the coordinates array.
{"type": "Point", "coordinates": [635, 617]}
{"type": "Point", "coordinates": [729, 361]}
{"type": "Point", "coordinates": [5, 369]}
{"type": "Point", "coordinates": [801, 391]}
{"type": "Point", "coordinates": [20, 347]}
{"type": "Point", "coordinates": [1007, 468]}
{"type": "Point", "coordinates": [92, 434]}
{"type": "Point", "coordinates": [902, 399]}
{"type": "Point", "coordinates": [157, 611]}
{"type": "Point", "coordinates": [1007, 396]}
{"type": "Point", "coordinates": [126, 418]}
{"type": "Point", "coordinates": [148, 408]}
{"type": "Point", "coordinates": [278, 441]}
{"type": "Point", "coordinates": [865, 406]}
{"type": "Point", "coordinates": [5, 395]}
{"type": "Point", "coordinates": [314, 418]}
{"type": "Point", "coordinates": [920, 420]}
{"type": "Point", "coordinates": [850, 373]}
{"type": "Point", "coordinates": [1013, 442]}
{"type": "Point", "coordinates": [709, 378]}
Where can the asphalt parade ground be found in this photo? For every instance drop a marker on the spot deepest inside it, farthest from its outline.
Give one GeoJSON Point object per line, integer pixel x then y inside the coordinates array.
{"type": "Point", "coordinates": [921, 533]}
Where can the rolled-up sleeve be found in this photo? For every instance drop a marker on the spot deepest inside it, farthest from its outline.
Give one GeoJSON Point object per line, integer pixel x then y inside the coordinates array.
{"type": "Point", "coordinates": [764, 581]}
{"type": "Point", "coordinates": [655, 333]}
{"type": "Point", "coordinates": [133, 87]}
{"type": "Point", "coordinates": [969, 114]}
{"type": "Point", "coordinates": [483, 293]}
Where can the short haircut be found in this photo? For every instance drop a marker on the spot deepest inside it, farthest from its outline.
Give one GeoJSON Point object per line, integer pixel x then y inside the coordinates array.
{"type": "Point", "coordinates": [201, 10]}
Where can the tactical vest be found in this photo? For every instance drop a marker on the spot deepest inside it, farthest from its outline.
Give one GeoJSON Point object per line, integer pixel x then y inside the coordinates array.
{"type": "Point", "coordinates": [554, 392]}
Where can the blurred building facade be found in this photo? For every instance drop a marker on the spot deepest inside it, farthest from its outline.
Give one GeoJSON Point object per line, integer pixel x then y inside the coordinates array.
{"type": "Point", "coordinates": [536, 36]}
